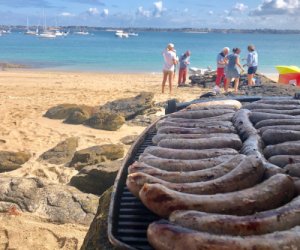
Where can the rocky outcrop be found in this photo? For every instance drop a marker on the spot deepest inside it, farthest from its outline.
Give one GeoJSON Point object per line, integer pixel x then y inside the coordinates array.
{"type": "Point", "coordinates": [57, 203]}
{"type": "Point", "coordinates": [96, 155]}
{"type": "Point", "coordinates": [106, 121]}
{"type": "Point", "coordinates": [61, 111]}
{"type": "Point", "coordinates": [96, 179]}
{"type": "Point", "coordinates": [62, 153]}
{"type": "Point", "coordinates": [12, 160]}
{"type": "Point", "coordinates": [128, 140]}
{"type": "Point", "coordinates": [130, 107]}
{"type": "Point", "coordinates": [80, 114]}
{"type": "Point", "coordinates": [96, 238]}
{"type": "Point", "coordinates": [143, 121]}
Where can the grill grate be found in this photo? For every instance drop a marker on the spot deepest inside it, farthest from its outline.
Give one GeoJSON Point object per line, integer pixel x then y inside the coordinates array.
{"type": "Point", "coordinates": [133, 218]}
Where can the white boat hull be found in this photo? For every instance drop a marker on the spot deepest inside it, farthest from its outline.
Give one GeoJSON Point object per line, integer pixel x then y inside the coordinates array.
{"type": "Point", "coordinates": [45, 36]}
{"type": "Point", "coordinates": [81, 33]}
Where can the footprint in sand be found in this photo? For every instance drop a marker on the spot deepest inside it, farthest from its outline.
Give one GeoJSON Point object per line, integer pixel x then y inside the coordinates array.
{"type": "Point", "coordinates": [3, 239]}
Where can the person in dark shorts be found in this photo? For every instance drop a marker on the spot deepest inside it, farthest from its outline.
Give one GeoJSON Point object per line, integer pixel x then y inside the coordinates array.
{"type": "Point", "coordinates": [252, 63]}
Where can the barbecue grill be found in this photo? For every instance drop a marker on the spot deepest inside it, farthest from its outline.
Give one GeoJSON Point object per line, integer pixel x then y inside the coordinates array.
{"type": "Point", "coordinates": [128, 217]}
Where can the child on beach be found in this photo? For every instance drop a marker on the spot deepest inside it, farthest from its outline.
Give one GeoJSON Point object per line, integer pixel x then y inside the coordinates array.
{"type": "Point", "coordinates": [252, 63]}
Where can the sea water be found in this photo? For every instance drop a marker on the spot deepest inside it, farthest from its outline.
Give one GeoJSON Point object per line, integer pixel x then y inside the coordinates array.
{"type": "Point", "coordinates": [103, 52]}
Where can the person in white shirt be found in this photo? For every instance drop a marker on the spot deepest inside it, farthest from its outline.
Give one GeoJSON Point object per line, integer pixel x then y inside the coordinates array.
{"type": "Point", "coordinates": [170, 60]}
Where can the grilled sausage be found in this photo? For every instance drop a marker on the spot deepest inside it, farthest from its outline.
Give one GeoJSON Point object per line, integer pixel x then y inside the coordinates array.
{"type": "Point", "coordinates": [254, 106]}
{"type": "Point", "coordinates": [219, 103]}
{"type": "Point", "coordinates": [225, 117]}
{"type": "Point", "coordinates": [200, 114]}
{"type": "Point", "coordinates": [174, 165]}
{"type": "Point", "coordinates": [202, 130]}
{"type": "Point", "coordinates": [280, 219]}
{"type": "Point", "coordinates": [280, 101]}
{"type": "Point", "coordinates": [277, 122]}
{"type": "Point", "coordinates": [297, 185]}
{"type": "Point", "coordinates": [188, 177]}
{"type": "Point", "coordinates": [166, 123]}
{"type": "Point", "coordinates": [283, 112]}
{"type": "Point", "coordinates": [270, 194]}
{"type": "Point", "coordinates": [286, 148]}
{"type": "Point", "coordinates": [210, 107]}
{"type": "Point", "coordinates": [247, 174]}
{"type": "Point", "coordinates": [283, 160]}
{"type": "Point", "coordinates": [256, 117]}
{"type": "Point", "coordinates": [164, 235]}
{"type": "Point", "coordinates": [283, 127]}
{"type": "Point", "coordinates": [157, 138]}
{"type": "Point", "coordinates": [271, 170]}
{"type": "Point", "coordinates": [274, 136]}
{"type": "Point", "coordinates": [168, 153]}
{"type": "Point", "coordinates": [293, 170]}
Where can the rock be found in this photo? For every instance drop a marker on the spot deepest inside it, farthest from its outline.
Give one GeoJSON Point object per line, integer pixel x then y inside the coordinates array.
{"type": "Point", "coordinates": [130, 107]}
{"type": "Point", "coordinates": [152, 111]}
{"type": "Point", "coordinates": [56, 203]}
{"type": "Point", "coordinates": [96, 238]}
{"type": "Point", "coordinates": [96, 154]}
{"type": "Point", "coordinates": [106, 121]}
{"type": "Point", "coordinates": [164, 104]}
{"type": "Point", "coordinates": [143, 121]}
{"type": "Point", "coordinates": [185, 85]}
{"type": "Point", "coordinates": [2, 141]}
{"type": "Point", "coordinates": [128, 140]}
{"type": "Point", "coordinates": [10, 160]}
{"type": "Point", "coordinates": [96, 179]}
{"type": "Point", "coordinates": [62, 153]}
{"type": "Point", "coordinates": [61, 111]}
{"type": "Point", "coordinates": [80, 115]}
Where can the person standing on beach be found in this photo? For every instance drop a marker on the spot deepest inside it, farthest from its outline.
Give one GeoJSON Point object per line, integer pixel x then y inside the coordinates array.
{"type": "Point", "coordinates": [232, 68]}
{"type": "Point", "coordinates": [252, 63]}
{"type": "Point", "coordinates": [176, 66]}
{"type": "Point", "coordinates": [170, 60]}
{"type": "Point", "coordinates": [184, 61]}
{"type": "Point", "coordinates": [221, 68]}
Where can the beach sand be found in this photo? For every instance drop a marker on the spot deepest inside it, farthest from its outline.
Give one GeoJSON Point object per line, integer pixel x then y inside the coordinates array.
{"type": "Point", "coordinates": [24, 98]}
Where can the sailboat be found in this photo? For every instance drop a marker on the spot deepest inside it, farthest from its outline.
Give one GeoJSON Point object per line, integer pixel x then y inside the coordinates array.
{"type": "Point", "coordinates": [6, 31]}
{"type": "Point", "coordinates": [46, 33]}
{"type": "Point", "coordinates": [56, 30]}
{"type": "Point", "coordinates": [29, 32]}
{"type": "Point", "coordinates": [80, 32]}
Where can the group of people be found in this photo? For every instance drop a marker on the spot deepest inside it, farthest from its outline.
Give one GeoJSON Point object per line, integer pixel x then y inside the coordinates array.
{"type": "Point", "coordinates": [227, 67]}
{"type": "Point", "coordinates": [170, 63]}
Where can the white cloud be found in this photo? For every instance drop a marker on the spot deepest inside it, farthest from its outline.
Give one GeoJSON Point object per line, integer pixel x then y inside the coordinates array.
{"type": "Point", "coordinates": [184, 12]}
{"type": "Point", "coordinates": [158, 9]}
{"type": "Point", "coordinates": [66, 14]}
{"type": "Point", "coordinates": [239, 7]}
{"type": "Point", "coordinates": [104, 13]}
{"type": "Point", "coordinates": [93, 11]}
{"type": "Point", "coordinates": [229, 19]}
{"type": "Point", "coordinates": [276, 7]}
{"type": "Point", "coordinates": [142, 13]}
{"type": "Point", "coordinates": [226, 12]}
{"type": "Point", "coordinates": [210, 12]}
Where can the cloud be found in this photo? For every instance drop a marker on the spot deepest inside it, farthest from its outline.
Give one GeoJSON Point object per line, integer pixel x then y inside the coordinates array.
{"type": "Point", "coordinates": [276, 7]}
{"type": "Point", "coordinates": [226, 12]}
{"type": "Point", "coordinates": [184, 12]}
{"type": "Point", "coordinates": [93, 11]}
{"type": "Point", "coordinates": [210, 12]}
{"type": "Point", "coordinates": [239, 7]}
{"type": "Point", "coordinates": [89, 2]}
{"type": "Point", "coordinates": [66, 14]}
{"type": "Point", "coordinates": [142, 13]}
{"type": "Point", "coordinates": [158, 9]}
{"type": "Point", "coordinates": [104, 13]}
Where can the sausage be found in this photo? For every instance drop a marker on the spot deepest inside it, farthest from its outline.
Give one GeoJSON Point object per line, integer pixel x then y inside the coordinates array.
{"type": "Point", "coordinates": [282, 127]}
{"type": "Point", "coordinates": [293, 170]}
{"type": "Point", "coordinates": [188, 177]}
{"type": "Point", "coordinates": [208, 143]}
{"type": "Point", "coordinates": [157, 138]}
{"type": "Point", "coordinates": [280, 101]}
{"type": "Point", "coordinates": [168, 153]}
{"type": "Point", "coordinates": [284, 112]}
{"type": "Point", "coordinates": [256, 117]}
{"type": "Point", "coordinates": [166, 123]}
{"type": "Point", "coordinates": [280, 219]}
{"type": "Point", "coordinates": [243, 125]}
{"type": "Point", "coordinates": [203, 130]}
{"type": "Point", "coordinates": [200, 114]}
{"type": "Point", "coordinates": [270, 194]}
{"type": "Point", "coordinates": [164, 235]}
{"type": "Point", "coordinates": [254, 105]}
{"type": "Point", "coordinates": [225, 117]}
{"type": "Point", "coordinates": [174, 165]}
{"type": "Point", "coordinates": [286, 148]}
{"type": "Point", "coordinates": [283, 160]}
{"type": "Point", "coordinates": [253, 146]}
{"type": "Point", "coordinates": [274, 136]}
{"type": "Point", "coordinates": [217, 103]}
{"type": "Point", "coordinates": [271, 170]}
{"type": "Point", "coordinates": [211, 107]}
{"type": "Point", "coordinates": [297, 185]}
{"type": "Point", "coordinates": [247, 174]}
{"type": "Point", "coordinates": [277, 122]}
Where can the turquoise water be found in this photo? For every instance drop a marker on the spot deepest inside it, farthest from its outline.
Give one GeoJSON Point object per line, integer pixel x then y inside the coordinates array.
{"type": "Point", "coordinates": [104, 52]}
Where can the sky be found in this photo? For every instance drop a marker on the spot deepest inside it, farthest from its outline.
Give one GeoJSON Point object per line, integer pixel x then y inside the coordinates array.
{"type": "Point", "coordinates": [275, 14]}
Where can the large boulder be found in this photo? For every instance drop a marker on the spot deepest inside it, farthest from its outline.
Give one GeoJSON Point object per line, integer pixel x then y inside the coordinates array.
{"type": "Point", "coordinates": [80, 114]}
{"type": "Point", "coordinates": [61, 111]}
{"type": "Point", "coordinates": [106, 121]}
{"type": "Point", "coordinates": [96, 179]}
{"type": "Point", "coordinates": [62, 153]}
{"type": "Point", "coordinates": [56, 203]}
{"type": "Point", "coordinates": [142, 121]}
{"type": "Point", "coordinates": [130, 107]}
{"type": "Point", "coordinates": [96, 238]}
{"type": "Point", "coordinates": [128, 140]}
{"type": "Point", "coordinates": [12, 160]}
{"type": "Point", "coordinates": [96, 155]}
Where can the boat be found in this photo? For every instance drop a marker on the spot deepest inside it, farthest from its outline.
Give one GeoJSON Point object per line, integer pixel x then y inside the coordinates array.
{"type": "Point", "coordinates": [6, 31]}
{"type": "Point", "coordinates": [133, 34]}
{"type": "Point", "coordinates": [0, 32]}
{"type": "Point", "coordinates": [29, 32]}
{"type": "Point", "coordinates": [45, 33]}
{"type": "Point", "coordinates": [125, 35]}
{"type": "Point", "coordinates": [119, 33]}
{"type": "Point", "coordinates": [80, 32]}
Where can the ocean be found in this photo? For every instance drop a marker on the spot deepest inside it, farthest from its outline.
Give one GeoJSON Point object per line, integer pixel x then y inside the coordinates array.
{"type": "Point", "coordinates": [103, 52]}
